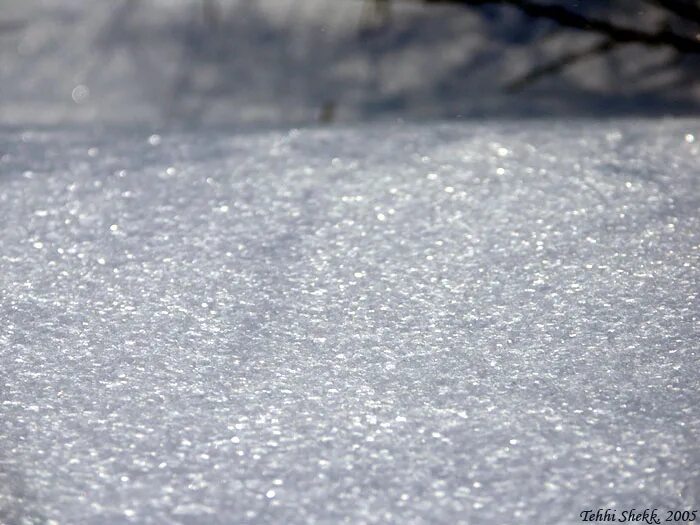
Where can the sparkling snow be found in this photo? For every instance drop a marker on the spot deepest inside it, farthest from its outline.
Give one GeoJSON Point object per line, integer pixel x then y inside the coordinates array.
{"type": "Point", "coordinates": [414, 324]}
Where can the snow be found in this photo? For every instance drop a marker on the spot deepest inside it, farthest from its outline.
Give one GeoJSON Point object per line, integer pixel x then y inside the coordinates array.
{"type": "Point", "coordinates": [473, 323]}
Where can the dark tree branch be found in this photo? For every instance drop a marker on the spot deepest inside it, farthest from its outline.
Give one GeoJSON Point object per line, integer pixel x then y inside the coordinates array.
{"type": "Point", "coordinates": [686, 9]}
{"type": "Point", "coordinates": [568, 18]}
{"type": "Point", "coordinates": [560, 64]}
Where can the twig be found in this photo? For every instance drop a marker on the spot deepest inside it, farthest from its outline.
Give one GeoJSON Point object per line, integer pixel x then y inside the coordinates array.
{"type": "Point", "coordinates": [568, 18]}
{"type": "Point", "coordinates": [688, 10]}
{"type": "Point", "coordinates": [559, 64]}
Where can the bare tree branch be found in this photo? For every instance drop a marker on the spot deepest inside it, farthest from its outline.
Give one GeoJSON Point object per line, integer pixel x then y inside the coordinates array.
{"type": "Point", "coordinates": [560, 64]}
{"type": "Point", "coordinates": [687, 9]}
{"type": "Point", "coordinates": [568, 18]}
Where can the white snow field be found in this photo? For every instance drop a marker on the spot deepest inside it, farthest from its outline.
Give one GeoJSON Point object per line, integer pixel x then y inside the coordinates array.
{"type": "Point", "coordinates": [439, 323]}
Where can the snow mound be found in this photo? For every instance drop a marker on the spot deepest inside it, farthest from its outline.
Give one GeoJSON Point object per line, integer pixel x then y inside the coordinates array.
{"type": "Point", "coordinates": [417, 324]}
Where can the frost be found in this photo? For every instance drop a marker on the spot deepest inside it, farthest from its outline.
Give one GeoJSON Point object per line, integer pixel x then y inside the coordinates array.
{"type": "Point", "coordinates": [429, 329]}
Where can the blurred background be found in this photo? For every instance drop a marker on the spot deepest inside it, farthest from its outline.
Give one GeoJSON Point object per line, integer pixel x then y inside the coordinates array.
{"type": "Point", "coordinates": [248, 63]}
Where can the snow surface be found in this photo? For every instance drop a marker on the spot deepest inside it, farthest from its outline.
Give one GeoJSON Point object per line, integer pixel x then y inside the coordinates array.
{"type": "Point", "coordinates": [410, 324]}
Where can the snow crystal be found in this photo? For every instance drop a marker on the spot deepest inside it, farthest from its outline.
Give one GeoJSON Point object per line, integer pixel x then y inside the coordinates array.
{"type": "Point", "coordinates": [410, 324]}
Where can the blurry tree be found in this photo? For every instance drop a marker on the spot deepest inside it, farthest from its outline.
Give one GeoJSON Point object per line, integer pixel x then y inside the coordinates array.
{"type": "Point", "coordinates": [678, 26]}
